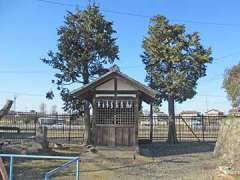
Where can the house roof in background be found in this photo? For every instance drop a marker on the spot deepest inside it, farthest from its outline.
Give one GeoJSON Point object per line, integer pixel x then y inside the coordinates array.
{"type": "Point", "coordinates": [214, 110]}
{"type": "Point", "coordinates": [190, 112]}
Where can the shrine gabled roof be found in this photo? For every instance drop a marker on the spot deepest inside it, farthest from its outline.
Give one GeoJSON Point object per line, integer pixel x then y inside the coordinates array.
{"type": "Point", "coordinates": [114, 72]}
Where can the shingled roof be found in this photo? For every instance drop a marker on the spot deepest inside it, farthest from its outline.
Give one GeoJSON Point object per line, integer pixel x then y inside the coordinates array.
{"type": "Point", "coordinates": [113, 72]}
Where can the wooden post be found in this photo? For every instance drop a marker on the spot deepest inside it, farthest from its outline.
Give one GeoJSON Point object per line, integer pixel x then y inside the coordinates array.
{"type": "Point", "coordinates": [112, 130]}
{"type": "Point", "coordinates": [94, 129]}
{"type": "Point", "coordinates": [180, 129]}
{"type": "Point", "coordinates": [151, 122]}
{"type": "Point", "coordinates": [45, 141]}
{"type": "Point", "coordinates": [136, 121]}
{"type": "Point", "coordinates": [41, 137]}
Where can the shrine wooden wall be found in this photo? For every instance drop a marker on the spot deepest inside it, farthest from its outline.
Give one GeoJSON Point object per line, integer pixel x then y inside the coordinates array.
{"type": "Point", "coordinates": [115, 136]}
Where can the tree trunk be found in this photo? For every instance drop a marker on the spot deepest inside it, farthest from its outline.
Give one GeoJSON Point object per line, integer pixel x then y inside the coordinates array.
{"type": "Point", "coordinates": [87, 120]}
{"type": "Point", "coordinates": [172, 136]}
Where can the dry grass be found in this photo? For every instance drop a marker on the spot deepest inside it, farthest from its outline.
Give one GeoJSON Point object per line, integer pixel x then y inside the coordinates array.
{"type": "Point", "coordinates": [190, 161]}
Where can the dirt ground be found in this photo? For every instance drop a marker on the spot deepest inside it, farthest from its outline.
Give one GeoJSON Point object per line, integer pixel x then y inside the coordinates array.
{"type": "Point", "coordinates": [160, 161]}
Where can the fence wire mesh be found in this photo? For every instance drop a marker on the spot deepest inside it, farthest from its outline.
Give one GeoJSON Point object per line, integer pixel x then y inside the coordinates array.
{"type": "Point", "coordinates": [66, 128]}
{"type": "Point", "coordinates": [188, 128]}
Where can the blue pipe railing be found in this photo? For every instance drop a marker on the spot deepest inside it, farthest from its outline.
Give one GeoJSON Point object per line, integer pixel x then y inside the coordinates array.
{"type": "Point", "coordinates": [64, 166]}
{"type": "Point", "coordinates": [72, 160]}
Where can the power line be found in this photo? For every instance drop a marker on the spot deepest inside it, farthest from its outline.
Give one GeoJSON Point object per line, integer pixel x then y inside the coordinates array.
{"type": "Point", "coordinates": [124, 67]}
{"type": "Point", "coordinates": [218, 58]}
{"type": "Point", "coordinates": [58, 3]}
{"type": "Point", "coordinates": [143, 16]}
{"type": "Point", "coordinates": [22, 93]}
{"type": "Point", "coordinates": [210, 95]}
{"type": "Point", "coordinates": [43, 95]}
{"type": "Point", "coordinates": [23, 72]}
{"type": "Point", "coordinates": [228, 55]}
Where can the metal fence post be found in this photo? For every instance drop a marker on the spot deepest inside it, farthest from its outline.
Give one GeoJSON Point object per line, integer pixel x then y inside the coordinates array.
{"type": "Point", "coordinates": [69, 128]}
{"type": "Point", "coordinates": [35, 123]}
{"type": "Point", "coordinates": [151, 122]}
{"type": "Point", "coordinates": [203, 128]}
{"type": "Point", "coordinates": [11, 168]}
{"type": "Point", "coordinates": [77, 171]}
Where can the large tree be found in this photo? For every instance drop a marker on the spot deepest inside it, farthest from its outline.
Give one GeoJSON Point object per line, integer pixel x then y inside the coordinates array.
{"type": "Point", "coordinates": [174, 61]}
{"type": "Point", "coordinates": [231, 84]}
{"type": "Point", "coordinates": [85, 45]}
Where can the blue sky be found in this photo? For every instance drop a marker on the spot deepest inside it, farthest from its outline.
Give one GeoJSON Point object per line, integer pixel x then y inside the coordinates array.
{"type": "Point", "coordinates": [28, 31]}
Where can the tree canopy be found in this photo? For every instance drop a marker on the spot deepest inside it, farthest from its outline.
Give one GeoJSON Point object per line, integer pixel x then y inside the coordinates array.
{"type": "Point", "coordinates": [231, 84]}
{"type": "Point", "coordinates": [85, 45]}
{"type": "Point", "coordinates": [174, 60]}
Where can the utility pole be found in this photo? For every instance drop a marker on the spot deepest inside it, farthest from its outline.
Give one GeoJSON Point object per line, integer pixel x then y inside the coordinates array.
{"type": "Point", "coordinates": [15, 102]}
{"type": "Point", "coordinates": [206, 101]}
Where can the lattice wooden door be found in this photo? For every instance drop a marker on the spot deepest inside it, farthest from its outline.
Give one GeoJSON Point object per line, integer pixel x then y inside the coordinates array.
{"type": "Point", "coordinates": [115, 121]}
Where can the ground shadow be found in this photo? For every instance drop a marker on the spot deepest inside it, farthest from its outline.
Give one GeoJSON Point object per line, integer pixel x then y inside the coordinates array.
{"type": "Point", "coordinates": [157, 149]}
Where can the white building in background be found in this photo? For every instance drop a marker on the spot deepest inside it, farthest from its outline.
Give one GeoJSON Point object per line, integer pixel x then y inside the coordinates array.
{"type": "Point", "coordinates": [214, 112]}
{"type": "Point", "coordinates": [160, 114]}
{"type": "Point", "coordinates": [190, 113]}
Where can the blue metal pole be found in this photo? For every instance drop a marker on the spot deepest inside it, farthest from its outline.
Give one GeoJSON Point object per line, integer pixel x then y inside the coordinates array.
{"type": "Point", "coordinates": [38, 157]}
{"type": "Point", "coordinates": [77, 171]}
{"type": "Point", "coordinates": [50, 173]}
{"type": "Point", "coordinates": [11, 168]}
{"type": "Point", "coordinates": [46, 177]}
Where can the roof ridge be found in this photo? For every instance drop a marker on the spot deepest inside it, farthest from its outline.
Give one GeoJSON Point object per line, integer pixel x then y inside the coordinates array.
{"type": "Point", "coordinates": [114, 68]}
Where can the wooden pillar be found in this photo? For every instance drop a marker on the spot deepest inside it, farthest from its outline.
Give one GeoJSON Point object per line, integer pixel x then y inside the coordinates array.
{"type": "Point", "coordinates": [151, 122]}
{"type": "Point", "coordinates": [94, 129]}
{"type": "Point", "coordinates": [41, 137]}
{"type": "Point", "coordinates": [113, 129]}
{"type": "Point", "coordinates": [136, 120]}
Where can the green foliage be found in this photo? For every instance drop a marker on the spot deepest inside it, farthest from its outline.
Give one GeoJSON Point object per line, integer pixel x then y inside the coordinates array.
{"type": "Point", "coordinates": [174, 60]}
{"type": "Point", "coordinates": [156, 109]}
{"type": "Point", "coordinates": [231, 84]}
{"type": "Point", "coordinates": [85, 45]}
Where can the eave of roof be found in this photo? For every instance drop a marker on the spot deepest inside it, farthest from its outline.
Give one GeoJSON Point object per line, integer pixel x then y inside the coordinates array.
{"type": "Point", "coordinates": [141, 87]}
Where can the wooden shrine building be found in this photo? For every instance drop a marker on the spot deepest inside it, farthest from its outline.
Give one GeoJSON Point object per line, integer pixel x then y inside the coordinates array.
{"type": "Point", "coordinates": [116, 100]}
